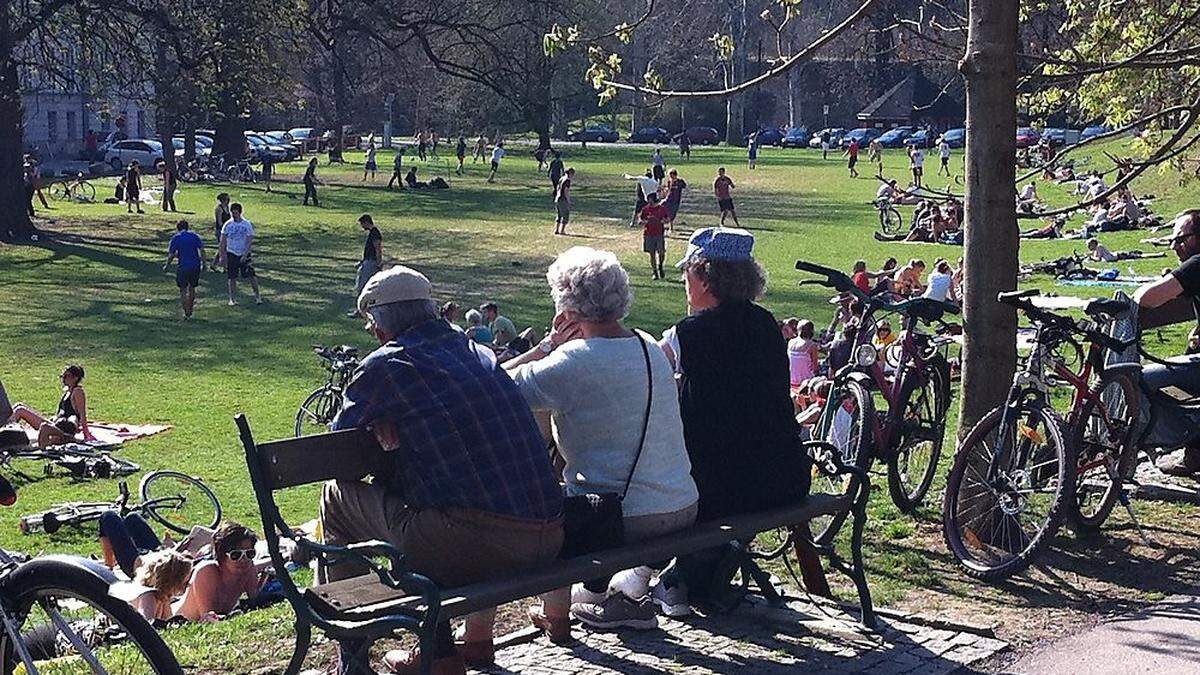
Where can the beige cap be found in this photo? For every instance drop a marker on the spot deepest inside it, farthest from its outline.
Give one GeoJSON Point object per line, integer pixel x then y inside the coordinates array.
{"type": "Point", "coordinates": [395, 284]}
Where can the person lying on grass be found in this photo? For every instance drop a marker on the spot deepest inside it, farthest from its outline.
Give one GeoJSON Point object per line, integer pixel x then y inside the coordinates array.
{"type": "Point", "coordinates": [218, 584]}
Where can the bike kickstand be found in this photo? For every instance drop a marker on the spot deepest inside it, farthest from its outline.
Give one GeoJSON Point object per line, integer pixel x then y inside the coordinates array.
{"type": "Point", "coordinates": [1128, 504]}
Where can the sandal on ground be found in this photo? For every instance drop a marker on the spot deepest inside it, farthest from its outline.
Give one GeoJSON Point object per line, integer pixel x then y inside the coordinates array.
{"type": "Point", "coordinates": [557, 629]}
{"type": "Point", "coordinates": [408, 662]}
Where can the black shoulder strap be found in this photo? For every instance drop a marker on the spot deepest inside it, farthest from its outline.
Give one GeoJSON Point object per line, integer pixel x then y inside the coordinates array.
{"type": "Point", "coordinates": [646, 417]}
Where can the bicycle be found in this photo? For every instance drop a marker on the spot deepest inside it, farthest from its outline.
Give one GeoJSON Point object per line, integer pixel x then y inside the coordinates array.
{"type": "Point", "coordinates": [75, 189]}
{"type": "Point", "coordinates": [59, 615]}
{"type": "Point", "coordinates": [1015, 475]}
{"type": "Point", "coordinates": [909, 434]}
{"type": "Point", "coordinates": [81, 461]}
{"type": "Point", "coordinates": [318, 410]}
{"type": "Point", "coordinates": [173, 499]}
{"type": "Point", "coordinates": [890, 221]}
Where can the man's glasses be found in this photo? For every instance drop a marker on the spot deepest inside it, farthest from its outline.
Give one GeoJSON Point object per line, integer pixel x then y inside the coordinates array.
{"type": "Point", "coordinates": [239, 553]}
{"type": "Point", "coordinates": [1182, 238]}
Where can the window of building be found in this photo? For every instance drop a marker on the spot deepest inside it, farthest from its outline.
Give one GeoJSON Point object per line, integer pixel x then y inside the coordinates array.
{"type": "Point", "coordinates": [52, 125]}
{"type": "Point", "coordinates": [72, 130]}
{"type": "Point", "coordinates": [141, 123]}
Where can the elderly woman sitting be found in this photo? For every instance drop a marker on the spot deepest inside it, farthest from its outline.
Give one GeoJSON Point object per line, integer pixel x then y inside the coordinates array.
{"type": "Point", "coordinates": [596, 377]}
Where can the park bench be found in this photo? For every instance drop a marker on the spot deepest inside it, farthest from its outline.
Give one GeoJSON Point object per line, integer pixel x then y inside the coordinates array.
{"type": "Point", "coordinates": [358, 611]}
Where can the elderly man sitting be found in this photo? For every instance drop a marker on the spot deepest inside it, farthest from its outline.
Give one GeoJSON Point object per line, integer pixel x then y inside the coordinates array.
{"type": "Point", "coordinates": [472, 494]}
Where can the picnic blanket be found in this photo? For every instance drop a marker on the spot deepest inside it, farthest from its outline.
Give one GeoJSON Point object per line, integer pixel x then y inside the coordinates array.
{"type": "Point", "coordinates": [109, 433]}
{"type": "Point", "coordinates": [1109, 283]}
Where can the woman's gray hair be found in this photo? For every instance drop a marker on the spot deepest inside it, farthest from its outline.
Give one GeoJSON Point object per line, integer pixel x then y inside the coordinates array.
{"type": "Point", "coordinates": [590, 283]}
{"type": "Point", "coordinates": [396, 317]}
{"type": "Point", "coordinates": [473, 317]}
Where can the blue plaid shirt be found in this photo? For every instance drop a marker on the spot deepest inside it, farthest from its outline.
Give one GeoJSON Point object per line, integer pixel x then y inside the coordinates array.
{"type": "Point", "coordinates": [467, 437]}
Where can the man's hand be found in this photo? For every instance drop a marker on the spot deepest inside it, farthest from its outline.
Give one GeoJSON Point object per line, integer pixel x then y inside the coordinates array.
{"type": "Point", "coordinates": [166, 266]}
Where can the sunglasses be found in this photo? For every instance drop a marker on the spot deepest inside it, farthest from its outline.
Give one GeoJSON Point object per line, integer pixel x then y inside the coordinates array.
{"type": "Point", "coordinates": [1182, 238]}
{"type": "Point", "coordinates": [239, 553]}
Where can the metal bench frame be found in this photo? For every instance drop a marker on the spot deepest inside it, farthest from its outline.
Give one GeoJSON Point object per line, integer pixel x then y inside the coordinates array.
{"type": "Point", "coordinates": [415, 604]}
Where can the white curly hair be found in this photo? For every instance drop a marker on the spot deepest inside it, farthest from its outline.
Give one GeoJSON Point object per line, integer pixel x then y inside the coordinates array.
{"type": "Point", "coordinates": [590, 282]}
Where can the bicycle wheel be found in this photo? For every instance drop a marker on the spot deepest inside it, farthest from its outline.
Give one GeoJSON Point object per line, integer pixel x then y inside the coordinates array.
{"type": "Point", "coordinates": [179, 501]}
{"type": "Point", "coordinates": [68, 623]}
{"type": "Point", "coordinates": [995, 526]}
{"type": "Point", "coordinates": [1104, 450]}
{"type": "Point", "coordinates": [59, 191]}
{"type": "Point", "coordinates": [846, 426]}
{"type": "Point", "coordinates": [912, 468]}
{"type": "Point", "coordinates": [890, 221]}
{"type": "Point", "coordinates": [85, 192]}
{"type": "Point", "coordinates": [317, 411]}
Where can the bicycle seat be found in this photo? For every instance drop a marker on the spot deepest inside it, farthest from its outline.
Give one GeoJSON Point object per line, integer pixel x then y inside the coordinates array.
{"type": "Point", "coordinates": [1106, 307]}
{"type": "Point", "coordinates": [347, 350]}
{"type": "Point", "coordinates": [927, 309]}
{"type": "Point", "coordinates": [1009, 297]}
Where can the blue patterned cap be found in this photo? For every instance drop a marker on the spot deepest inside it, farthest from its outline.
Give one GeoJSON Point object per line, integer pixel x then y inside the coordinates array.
{"type": "Point", "coordinates": [718, 243]}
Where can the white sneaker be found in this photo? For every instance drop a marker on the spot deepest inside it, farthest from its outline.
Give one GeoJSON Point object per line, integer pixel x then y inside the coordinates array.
{"type": "Point", "coordinates": [634, 583]}
{"type": "Point", "coordinates": [233, 303]}
{"type": "Point", "coordinates": [581, 595]}
{"type": "Point", "coordinates": [671, 601]}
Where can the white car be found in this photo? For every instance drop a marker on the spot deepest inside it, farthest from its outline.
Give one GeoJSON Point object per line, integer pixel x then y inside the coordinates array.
{"type": "Point", "coordinates": [145, 151]}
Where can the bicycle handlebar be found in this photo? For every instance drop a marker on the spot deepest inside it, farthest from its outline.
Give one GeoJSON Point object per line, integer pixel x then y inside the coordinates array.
{"type": "Point", "coordinates": [1021, 301]}
{"type": "Point", "coordinates": [927, 310]}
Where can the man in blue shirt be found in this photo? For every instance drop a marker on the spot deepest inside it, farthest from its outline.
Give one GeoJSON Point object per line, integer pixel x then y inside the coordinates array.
{"type": "Point", "coordinates": [470, 493]}
{"type": "Point", "coordinates": [187, 247]}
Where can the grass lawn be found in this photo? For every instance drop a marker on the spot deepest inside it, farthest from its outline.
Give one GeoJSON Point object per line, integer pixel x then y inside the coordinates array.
{"type": "Point", "coordinates": [94, 292]}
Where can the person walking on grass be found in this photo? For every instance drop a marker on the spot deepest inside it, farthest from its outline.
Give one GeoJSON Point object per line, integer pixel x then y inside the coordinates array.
{"type": "Point", "coordinates": [310, 183]}
{"type": "Point", "coordinates": [397, 168]}
{"type": "Point", "coordinates": [237, 238]}
{"type": "Point", "coordinates": [675, 188]}
{"type": "Point", "coordinates": [875, 154]}
{"type": "Point", "coordinates": [268, 170]}
{"type": "Point", "coordinates": [370, 167]}
{"type": "Point", "coordinates": [825, 144]}
{"type": "Point", "coordinates": [480, 148]}
{"type": "Point", "coordinates": [944, 156]}
{"type": "Point", "coordinates": [654, 218]}
{"type": "Point", "coordinates": [372, 257]}
{"type": "Point", "coordinates": [422, 143]}
{"type": "Point", "coordinates": [497, 155]}
{"type": "Point", "coordinates": [752, 150]}
{"type": "Point", "coordinates": [555, 171]}
{"type": "Point", "coordinates": [852, 155]}
{"type": "Point", "coordinates": [722, 187]}
{"type": "Point", "coordinates": [657, 165]}
{"type": "Point", "coordinates": [685, 146]}
{"type": "Point", "coordinates": [916, 162]}
{"type": "Point", "coordinates": [460, 152]}
{"type": "Point", "coordinates": [187, 247]}
{"type": "Point", "coordinates": [562, 202]}
{"type": "Point", "coordinates": [221, 215]}
{"type": "Point", "coordinates": [646, 186]}
{"type": "Point", "coordinates": [170, 181]}
{"type": "Point", "coordinates": [133, 188]}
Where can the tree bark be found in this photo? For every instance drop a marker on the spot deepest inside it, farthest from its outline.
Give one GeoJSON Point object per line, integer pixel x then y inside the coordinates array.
{"type": "Point", "coordinates": [991, 237]}
{"type": "Point", "coordinates": [14, 219]}
{"type": "Point", "coordinates": [735, 105]}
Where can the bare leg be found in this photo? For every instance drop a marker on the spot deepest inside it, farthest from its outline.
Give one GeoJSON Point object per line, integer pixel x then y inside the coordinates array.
{"type": "Point", "coordinates": [23, 413]}
{"type": "Point", "coordinates": [478, 626]}
{"type": "Point", "coordinates": [232, 291]}
{"type": "Point", "coordinates": [735, 220]}
{"type": "Point", "coordinates": [557, 603]}
{"type": "Point", "coordinates": [254, 286]}
{"type": "Point", "coordinates": [49, 435]}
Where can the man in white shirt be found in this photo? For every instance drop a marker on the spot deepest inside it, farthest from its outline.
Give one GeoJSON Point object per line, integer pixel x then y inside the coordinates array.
{"type": "Point", "coordinates": [941, 283]}
{"type": "Point", "coordinates": [944, 154]}
{"type": "Point", "coordinates": [917, 164]}
{"type": "Point", "coordinates": [497, 155]}
{"type": "Point", "coordinates": [237, 237]}
{"type": "Point", "coordinates": [647, 186]}
{"type": "Point", "coordinates": [887, 190]}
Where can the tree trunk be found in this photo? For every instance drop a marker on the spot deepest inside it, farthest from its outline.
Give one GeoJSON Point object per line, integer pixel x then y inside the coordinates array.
{"type": "Point", "coordinates": [166, 103]}
{"type": "Point", "coordinates": [14, 219]}
{"type": "Point", "coordinates": [735, 105]}
{"type": "Point", "coordinates": [991, 241]}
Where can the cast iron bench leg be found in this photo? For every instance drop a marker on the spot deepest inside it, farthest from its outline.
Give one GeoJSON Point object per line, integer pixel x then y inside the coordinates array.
{"type": "Point", "coordinates": [858, 570]}
{"type": "Point", "coordinates": [303, 642]}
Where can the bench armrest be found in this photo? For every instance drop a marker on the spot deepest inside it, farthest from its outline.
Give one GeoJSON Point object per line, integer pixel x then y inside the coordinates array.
{"type": "Point", "coordinates": [395, 575]}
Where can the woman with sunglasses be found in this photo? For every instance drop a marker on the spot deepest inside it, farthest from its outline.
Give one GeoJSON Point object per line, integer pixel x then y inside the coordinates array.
{"type": "Point", "coordinates": [218, 584]}
{"type": "Point", "coordinates": [70, 418]}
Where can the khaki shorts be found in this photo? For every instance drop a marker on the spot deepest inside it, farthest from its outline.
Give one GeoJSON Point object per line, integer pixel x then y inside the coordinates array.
{"type": "Point", "coordinates": [453, 547]}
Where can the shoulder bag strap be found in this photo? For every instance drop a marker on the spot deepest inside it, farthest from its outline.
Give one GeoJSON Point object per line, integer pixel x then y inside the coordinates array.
{"type": "Point", "coordinates": [646, 417]}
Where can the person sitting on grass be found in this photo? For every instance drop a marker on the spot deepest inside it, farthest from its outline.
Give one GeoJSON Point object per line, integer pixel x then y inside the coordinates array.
{"type": "Point", "coordinates": [164, 574]}
{"type": "Point", "coordinates": [941, 283]}
{"type": "Point", "coordinates": [68, 421]}
{"type": "Point", "coordinates": [217, 585]}
{"type": "Point", "coordinates": [889, 190]}
{"type": "Point", "coordinates": [908, 279]}
{"type": "Point", "coordinates": [470, 493]}
{"type": "Point", "coordinates": [410, 179]}
{"type": "Point", "coordinates": [593, 374]}
{"type": "Point", "coordinates": [803, 358]}
{"type": "Point", "coordinates": [476, 330]}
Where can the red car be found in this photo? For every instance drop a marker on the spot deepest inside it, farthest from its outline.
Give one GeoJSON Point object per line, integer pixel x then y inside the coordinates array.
{"type": "Point", "coordinates": [1027, 137]}
{"type": "Point", "coordinates": [700, 136]}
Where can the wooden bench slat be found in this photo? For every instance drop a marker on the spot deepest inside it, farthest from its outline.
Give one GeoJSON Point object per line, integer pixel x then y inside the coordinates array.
{"type": "Point", "coordinates": [342, 455]}
{"type": "Point", "coordinates": [364, 595]}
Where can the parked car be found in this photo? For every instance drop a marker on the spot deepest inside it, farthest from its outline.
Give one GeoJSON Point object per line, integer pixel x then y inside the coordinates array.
{"type": "Point", "coordinates": [596, 134]}
{"type": "Point", "coordinates": [955, 138]}
{"type": "Point", "coordinates": [699, 136]}
{"type": "Point", "coordinates": [650, 135]}
{"type": "Point", "coordinates": [796, 137]}
{"type": "Point", "coordinates": [894, 138]}
{"type": "Point", "coordinates": [109, 139]}
{"type": "Point", "coordinates": [1094, 131]}
{"type": "Point", "coordinates": [1027, 137]}
{"type": "Point", "coordinates": [310, 137]}
{"type": "Point", "coordinates": [201, 149]}
{"type": "Point", "coordinates": [835, 137]}
{"type": "Point", "coordinates": [145, 151]}
{"type": "Point", "coordinates": [863, 135]}
{"type": "Point", "coordinates": [921, 138]}
{"type": "Point", "coordinates": [290, 151]}
{"type": "Point", "coordinates": [768, 136]}
{"type": "Point", "coordinates": [260, 148]}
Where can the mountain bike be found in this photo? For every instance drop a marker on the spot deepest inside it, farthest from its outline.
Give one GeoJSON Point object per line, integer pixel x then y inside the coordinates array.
{"type": "Point", "coordinates": [890, 221]}
{"type": "Point", "coordinates": [175, 500]}
{"type": "Point", "coordinates": [1015, 475]}
{"type": "Point", "coordinates": [58, 614]}
{"type": "Point", "coordinates": [75, 189]}
{"type": "Point", "coordinates": [318, 410]}
{"type": "Point", "coordinates": [913, 379]}
{"type": "Point", "coordinates": [81, 461]}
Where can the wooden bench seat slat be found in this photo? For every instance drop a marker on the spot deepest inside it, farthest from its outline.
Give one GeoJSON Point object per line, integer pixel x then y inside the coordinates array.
{"type": "Point", "coordinates": [365, 596]}
{"type": "Point", "coordinates": [343, 455]}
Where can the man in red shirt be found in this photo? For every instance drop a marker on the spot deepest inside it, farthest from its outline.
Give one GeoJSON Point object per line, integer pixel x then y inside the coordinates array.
{"type": "Point", "coordinates": [654, 216]}
{"type": "Point", "coordinates": [852, 153]}
{"type": "Point", "coordinates": [721, 187]}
